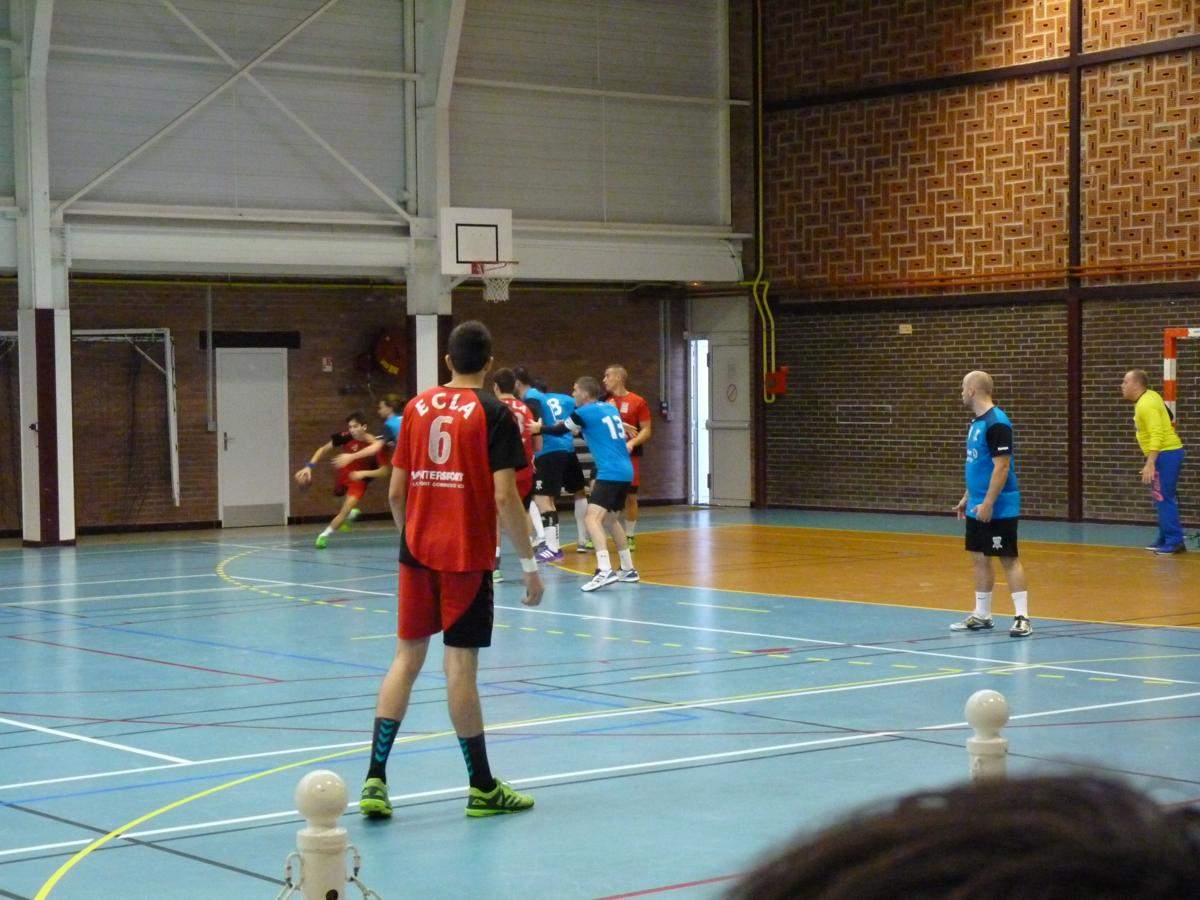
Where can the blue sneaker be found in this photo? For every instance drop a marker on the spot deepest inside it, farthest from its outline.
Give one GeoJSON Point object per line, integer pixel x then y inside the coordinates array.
{"type": "Point", "coordinates": [1170, 551]}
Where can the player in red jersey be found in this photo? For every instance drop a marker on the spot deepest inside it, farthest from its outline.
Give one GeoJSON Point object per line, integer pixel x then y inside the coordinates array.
{"type": "Point", "coordinates": [635, 414]}
{"type": "Point", "coordinates": [504, 382]}
{"type": "Point", "coordinates": [352, 479]}
{"type": "Point", "coordinates": [453, 470]}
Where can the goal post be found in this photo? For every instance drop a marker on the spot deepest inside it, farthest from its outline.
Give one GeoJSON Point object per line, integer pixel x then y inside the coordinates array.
{"type": "Point", "coordinates": [1171, 339]}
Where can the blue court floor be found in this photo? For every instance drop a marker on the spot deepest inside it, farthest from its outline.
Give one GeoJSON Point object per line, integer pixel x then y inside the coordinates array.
{"type": "Point", "coordinates": [162, 696]}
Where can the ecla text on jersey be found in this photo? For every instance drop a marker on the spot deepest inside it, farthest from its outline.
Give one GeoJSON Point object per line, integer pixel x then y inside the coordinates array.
{"type": "Point", "coordinates": [439, 402]}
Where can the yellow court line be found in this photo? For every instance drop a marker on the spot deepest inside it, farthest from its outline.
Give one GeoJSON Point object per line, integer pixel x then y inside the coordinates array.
{"type": "Point", "coordinates": [83, 853]}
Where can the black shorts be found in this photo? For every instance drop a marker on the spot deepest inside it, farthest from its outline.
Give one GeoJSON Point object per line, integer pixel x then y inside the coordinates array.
{"type": "Point", "coordinates": [556, 472]}
{"type": "Point", "coordinates": [995, 538]}
{"type": "Point", "coordinates": [609, 494]}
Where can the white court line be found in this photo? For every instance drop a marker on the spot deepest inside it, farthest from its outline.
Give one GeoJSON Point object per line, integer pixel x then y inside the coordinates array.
{"type": "Point", "coordinates": [23, 587]}
{"type": "Point", "coordinates": [66, 600]}
{"type": "Point", "coordinates": [989, 662]}
{"type": "Point", "coordinates": [580, 717]}
{"type": "Point", "coordinates": [561, 776]}
{"type": "Point", "coordinates": [91, 740]}
{"type": "Point", "coordinates": [321, 587]}
{"type": "Point", "coordinates": [183, 765]}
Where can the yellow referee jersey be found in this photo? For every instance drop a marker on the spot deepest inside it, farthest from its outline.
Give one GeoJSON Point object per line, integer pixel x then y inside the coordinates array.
{"type": "Point", "coordinates": [1155, 431]}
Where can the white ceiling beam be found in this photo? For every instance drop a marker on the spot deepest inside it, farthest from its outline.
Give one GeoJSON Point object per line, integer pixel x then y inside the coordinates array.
{"type": "Point", "coordinates": [532, 87]}
{"type": "Point", "coordinates": [292, 117]}
{"type": "Point", "coordinates": [187, 114]}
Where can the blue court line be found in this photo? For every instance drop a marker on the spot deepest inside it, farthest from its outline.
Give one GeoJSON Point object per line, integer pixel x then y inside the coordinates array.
{"type": "Point", "coordinates": [223, 646]}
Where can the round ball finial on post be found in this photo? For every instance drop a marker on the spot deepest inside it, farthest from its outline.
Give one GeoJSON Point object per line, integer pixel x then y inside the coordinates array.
{"type": "Point", "coordinates": [321, 798]}
{"type": "Point", "coordinates": [987, 712]}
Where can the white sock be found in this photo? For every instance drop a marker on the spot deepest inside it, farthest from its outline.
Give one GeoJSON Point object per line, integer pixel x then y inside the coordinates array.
{"type": "Point", "coordinates": [327, 532]}
{"type": "Point", "coordinates": [626, 558]}
{"type": "Point", "coordinates": [983, 604]}
{"type": "Point", "coordinates": [497, 554]}
{"type": "Point", "coordinates": [631, 528]}
{"type": "Point", "coordinates": [581, 506]}
{"type": "Point", "coordinates": [552, 537]}
{"type": "Point", "coordinates": [535, 516]}
{"type": "Point", "coordinates": [1021, 602]}
{"type": "Point", "coordinates": [603, 563]}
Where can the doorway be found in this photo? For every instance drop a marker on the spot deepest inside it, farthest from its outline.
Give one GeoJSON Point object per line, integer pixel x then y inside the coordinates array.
{"type": "Point", "coordinates": [699, 361]}
{"type": "Point", "coordinates": [252, 436]}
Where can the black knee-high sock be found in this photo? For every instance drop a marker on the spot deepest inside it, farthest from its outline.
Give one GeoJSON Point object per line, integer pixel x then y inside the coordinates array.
{"type": "Point", "coordinates": [381, 747]}
{"type": "Point", "coordinates": [474, 753]}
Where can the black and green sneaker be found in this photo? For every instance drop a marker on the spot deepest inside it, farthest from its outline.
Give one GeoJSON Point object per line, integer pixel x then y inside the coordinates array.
{"type": "Point", "coordinates": [500, 800]}
{"type": "Point", "coordinates": [374, 802]}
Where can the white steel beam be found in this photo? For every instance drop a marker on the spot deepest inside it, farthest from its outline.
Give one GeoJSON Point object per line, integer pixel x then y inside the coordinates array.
{"type": "Point", "coordinates": [295, 119]}
{"type": "Point", "coordinates": [188, 113]}
{"type": "Point", "coordinates": [530, 87]}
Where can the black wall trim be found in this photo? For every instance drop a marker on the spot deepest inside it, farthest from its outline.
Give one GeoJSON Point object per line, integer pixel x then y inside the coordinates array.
{"type": "Point", "coordinates": [989, 76]}
{"type": "Point", "coordinates": [288, 339]}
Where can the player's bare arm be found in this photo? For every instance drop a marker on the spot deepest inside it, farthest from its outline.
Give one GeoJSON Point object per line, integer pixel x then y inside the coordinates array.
{"type": "Point", "coordinates": [304, 475]}
{"type": "Point", "coordinates": [512, 517]}
{"type": "Point", "coordinates": [344, 459]}
{"type": "Point", "coordinates": [1000, 467]}
{"type": "Point", "coordinates": [397, 494]}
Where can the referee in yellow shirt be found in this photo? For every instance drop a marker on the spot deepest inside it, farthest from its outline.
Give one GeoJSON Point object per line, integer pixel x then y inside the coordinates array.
{"type": "Point", "coordinates": [1164, 457]}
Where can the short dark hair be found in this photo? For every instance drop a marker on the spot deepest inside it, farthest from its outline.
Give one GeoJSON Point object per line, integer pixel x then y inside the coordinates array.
{"type": "Point", "coordinates": [522, 375]}
{"type": "Point", "coordinates": [1083, 836]}
{"type": "Point", "coordinates": [356, 416]}
{"type": "Point", "coordinates": [394, 401]}
{"type": "Point", "coordinates": [470, 347]}
{"type": "Point", "coordinates": [505, 379]}
{"type": "Point", "coordinates": [588, 385]}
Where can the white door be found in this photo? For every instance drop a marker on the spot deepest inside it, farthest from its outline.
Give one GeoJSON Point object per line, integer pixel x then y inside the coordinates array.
{"type": "Point", "coordinates": [724, 322]}
{"type": "Point", "coordinates": [729, 425]}
{"type": "Point", "coordinates": [252, 436]}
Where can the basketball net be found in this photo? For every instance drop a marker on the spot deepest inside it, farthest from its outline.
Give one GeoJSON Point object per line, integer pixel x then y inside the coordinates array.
{"type": "Point", "coordinates": [497, 276]}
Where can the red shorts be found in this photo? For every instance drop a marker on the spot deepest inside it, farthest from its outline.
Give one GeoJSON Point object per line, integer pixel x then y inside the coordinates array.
{"type": "Point", "coordinates": [354, 489]}
{"type": "Point", "coordinates": [457, 603]}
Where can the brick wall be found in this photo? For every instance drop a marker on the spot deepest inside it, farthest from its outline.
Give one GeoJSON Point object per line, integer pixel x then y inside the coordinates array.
{"type": "Point", "coordinates": [959, 182]}
{"type": "Point", "coordinates": [817, 45]}
{"type": "Point", "coordinates": [1119, 23]}
{"type": "Point", "coordinates": [122, 476]}
{"type": "Point", "coordinates": [875, 419]}
{"type": "Point", "coordinates": [1119, 336]}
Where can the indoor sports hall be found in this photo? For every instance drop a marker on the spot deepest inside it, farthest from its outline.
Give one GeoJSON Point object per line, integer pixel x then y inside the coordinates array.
{"type": "Point", "coordinates": [862, 261]}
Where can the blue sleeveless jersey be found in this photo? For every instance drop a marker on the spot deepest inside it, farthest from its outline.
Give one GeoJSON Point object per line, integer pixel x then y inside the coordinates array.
{"type": "Point", "coordinates": [990, 435]}
{"type": "Point", "coordinates": [605, 436]}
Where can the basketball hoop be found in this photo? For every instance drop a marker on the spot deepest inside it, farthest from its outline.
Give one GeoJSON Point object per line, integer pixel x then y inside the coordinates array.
{"type": "Point", "coordinates": [497, 275]}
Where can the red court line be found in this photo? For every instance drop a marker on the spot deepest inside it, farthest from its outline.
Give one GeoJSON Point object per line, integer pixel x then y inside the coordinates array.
{"type": "Point", "coordinates": [671, 887]}
{"type": "Point", "coordinates": [161, 662]}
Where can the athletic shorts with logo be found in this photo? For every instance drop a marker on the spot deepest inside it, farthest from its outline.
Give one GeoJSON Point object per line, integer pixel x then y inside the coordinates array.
{"type": "Point", "coordinates": [995, 538]}
{"type": "Point", "coordinates": [556, 471]}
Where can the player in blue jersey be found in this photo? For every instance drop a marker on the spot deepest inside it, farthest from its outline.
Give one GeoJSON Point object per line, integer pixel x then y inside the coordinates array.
{"type": "Point", "coordinates": [991, 506]}
{"type": "Point", "coordinates": [600, 424]}
{"type": "Point", "coordinates": [556, 467]}
{"type": "Point", "coordinates": [382, 446]}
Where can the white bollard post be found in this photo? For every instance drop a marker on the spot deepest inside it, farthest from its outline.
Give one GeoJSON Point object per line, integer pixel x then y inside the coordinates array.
{"type": "Point", "coordinates": [321, 799]}
{"type": "Point", "coordinates": [987, 713]}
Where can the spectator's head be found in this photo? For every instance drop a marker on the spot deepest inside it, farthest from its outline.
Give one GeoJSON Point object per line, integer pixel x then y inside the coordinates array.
{"type": "Point", "coordinates": [469, 350]}
{"type": "Point", "coordinates": [1051, 838]}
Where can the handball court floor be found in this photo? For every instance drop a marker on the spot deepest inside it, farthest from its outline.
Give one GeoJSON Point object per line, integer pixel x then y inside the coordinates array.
{"type": "Point", "coordinates": [161, 696]}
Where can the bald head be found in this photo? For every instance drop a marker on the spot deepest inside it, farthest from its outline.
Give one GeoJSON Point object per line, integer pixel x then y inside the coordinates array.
{"type": "Point", "coordinates": [979, 383]}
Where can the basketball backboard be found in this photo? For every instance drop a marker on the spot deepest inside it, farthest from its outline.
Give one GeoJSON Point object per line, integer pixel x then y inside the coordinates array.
{"type": "Point", "coordinates": [469, 235]}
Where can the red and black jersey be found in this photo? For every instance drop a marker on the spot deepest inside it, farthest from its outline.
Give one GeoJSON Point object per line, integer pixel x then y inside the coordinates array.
{"type": "Point", "coordinates": [525, 422]}
{"type": "Point", "coordinates": [451, 441]}
{"type": "Point", "coordinates": [347, 444]}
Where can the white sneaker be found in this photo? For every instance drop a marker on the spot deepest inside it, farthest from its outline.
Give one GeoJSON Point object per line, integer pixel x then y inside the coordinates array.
{"type": "Point", "coordinates": [600, 579]}
{"type": "Point", "coordinates": [629, 575]}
